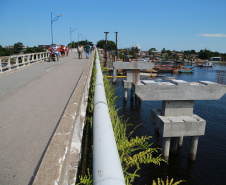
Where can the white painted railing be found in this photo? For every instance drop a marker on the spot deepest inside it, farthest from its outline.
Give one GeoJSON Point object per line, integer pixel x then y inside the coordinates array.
{"type": "Point", "coordinates": [9, 63]}
{"type": "Point", "coordinates": [107, 169]}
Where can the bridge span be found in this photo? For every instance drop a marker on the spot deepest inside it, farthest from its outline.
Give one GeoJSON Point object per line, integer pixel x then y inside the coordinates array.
{"type": "Point", "coordinates": [34, 102]}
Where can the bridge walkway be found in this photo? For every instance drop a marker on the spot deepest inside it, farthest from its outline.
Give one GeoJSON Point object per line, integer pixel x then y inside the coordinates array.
{"type": "Point", "coordinates": [32, 101]}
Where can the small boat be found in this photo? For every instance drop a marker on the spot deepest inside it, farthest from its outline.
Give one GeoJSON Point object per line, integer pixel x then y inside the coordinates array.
{"type": "Point", "coordinates": [186, 70]}
{"type": "Point", "coordinates": [207, 64]}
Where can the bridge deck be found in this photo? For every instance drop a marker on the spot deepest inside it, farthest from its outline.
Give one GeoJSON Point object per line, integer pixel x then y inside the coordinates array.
{"type": "Point", "coordinates": [32, 101]}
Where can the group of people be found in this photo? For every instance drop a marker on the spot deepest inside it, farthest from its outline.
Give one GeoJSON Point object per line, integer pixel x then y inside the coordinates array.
{"type": "Point", "coordinates": [56, 51]}
{"type": "Point", "coordinates": [87, 48]}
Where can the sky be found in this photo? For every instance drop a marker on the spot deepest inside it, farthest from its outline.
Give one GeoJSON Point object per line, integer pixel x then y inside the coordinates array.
{"type": "Point", "coordinates": [170, 24]}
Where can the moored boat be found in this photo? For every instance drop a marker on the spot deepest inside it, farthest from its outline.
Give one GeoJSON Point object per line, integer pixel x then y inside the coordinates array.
{"type": "Point", "coordinates": [186, 70]}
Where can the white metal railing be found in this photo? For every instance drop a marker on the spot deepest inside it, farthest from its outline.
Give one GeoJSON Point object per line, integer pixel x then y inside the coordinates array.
{"type": "Point", "coordinates": [107, 169]}
{"type": "Point", "coordinates": [8, 63]}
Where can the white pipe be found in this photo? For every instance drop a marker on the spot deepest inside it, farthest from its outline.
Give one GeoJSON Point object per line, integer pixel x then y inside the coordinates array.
{"type": "Point", "coordinates": [107, 169]}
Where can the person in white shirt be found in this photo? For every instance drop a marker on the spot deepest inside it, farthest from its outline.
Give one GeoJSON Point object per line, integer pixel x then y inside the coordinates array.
{"type": "Point", "coordinates": [55, 50]}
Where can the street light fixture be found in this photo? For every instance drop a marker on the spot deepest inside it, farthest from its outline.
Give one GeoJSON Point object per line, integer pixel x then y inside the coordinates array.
{"type": "Point", "coordinates": [106, 49]}
{"type": "Point", "coordinates": [70, 35]}
{"type": "Point", "coordinates": [78, 37]}
{"type": "Point", "coordinates": [52, 20]}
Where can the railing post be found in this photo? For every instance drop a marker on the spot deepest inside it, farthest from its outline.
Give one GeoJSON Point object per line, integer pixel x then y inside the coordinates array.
{"type": "Point", "coordinates": [23, 62]}
{"type": "Point", "coordinates": [33, 57]}
{"type": "Point", "coordinates": [0, 65]}
{"type": "Point", "coordinates": [17, 62]}
{"type": "Point", "coordinates": [8, 64]}
{"type": "Point", "coordinates": [37, 57]}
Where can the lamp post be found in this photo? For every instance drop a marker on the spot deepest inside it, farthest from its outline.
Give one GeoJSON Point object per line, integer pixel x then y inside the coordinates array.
{"type": "Point", "coordinates": [116, 52]}
{"type": "Point", "coordinates": [70, 35]}
{"type": "Point", "coordinates": [79, 36]}
{"type": "Point", "coordinates": [52, 20]}
{"type": "Point", "coordinates": [106, 48]}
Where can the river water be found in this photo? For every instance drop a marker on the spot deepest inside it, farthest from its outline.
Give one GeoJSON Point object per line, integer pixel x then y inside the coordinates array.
{"type": "Point", "coordinates": [210, 165]}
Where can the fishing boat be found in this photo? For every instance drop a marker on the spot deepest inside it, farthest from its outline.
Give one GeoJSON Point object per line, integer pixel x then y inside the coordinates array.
{"type": "Point", "coordinates": [186, 70]}
{"type": "Point", "coordinates": [207, 64]}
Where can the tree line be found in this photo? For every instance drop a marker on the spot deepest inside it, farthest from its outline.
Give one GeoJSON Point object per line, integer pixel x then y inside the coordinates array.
{"type": "Point", "coordinates": [17, 48]}
{"type": "Point", "coordinates": [203, 54]}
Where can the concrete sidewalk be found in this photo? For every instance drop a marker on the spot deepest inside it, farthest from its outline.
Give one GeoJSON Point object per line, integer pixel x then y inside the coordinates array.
{"type": "Point", "coordinates": [32, 101]}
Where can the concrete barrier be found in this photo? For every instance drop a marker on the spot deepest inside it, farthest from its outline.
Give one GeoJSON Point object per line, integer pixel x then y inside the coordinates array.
{"type": "Point", "coordinates": [9, 63]}
{"type": "Point", "coordinates": [61, 160]}
{"type": "Point", "coordinates": [107, 169]}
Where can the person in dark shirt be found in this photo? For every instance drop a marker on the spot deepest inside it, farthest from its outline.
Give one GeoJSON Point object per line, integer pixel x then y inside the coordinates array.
{"type": "Point", "coordinates": [87, 49]}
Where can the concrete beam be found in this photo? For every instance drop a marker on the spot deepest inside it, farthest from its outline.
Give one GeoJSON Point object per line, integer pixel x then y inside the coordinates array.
{"type": "Point", "coordinates": [133, 65]}
{"type": "Point", "coordinates": [176, 90]}
{"type": "Point", "coordinates": [177, 126]}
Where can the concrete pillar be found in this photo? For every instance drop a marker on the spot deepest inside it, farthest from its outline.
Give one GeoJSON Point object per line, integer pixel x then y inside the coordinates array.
{"type": "Point", "coordinates": [9, 64]}
{"type": "Point", "coordinates": [23, 59]}
{"type": "Point", "coordinates": [125, 94]}
{"type": "Point", "coordinates": [193, 147]}
{"type": "Point", "coordinates": [28, 59]}
{"type": "Point", "coordinates": [156, 139]}
{"type": "Point", "coordinates": [137, 99]}
{"type": "Point", "coordinates": [174, 145]}
{"type": "Point", "coordinates": [17, 61]}
{"type": "Point", "coordinates": [180, 142]}
{"type": "Point", "coordinates": [132, 94]}
{"type": "Point", "coordinates": [166, 148]}
{"type": "Point", "coordinates": [114, 74]}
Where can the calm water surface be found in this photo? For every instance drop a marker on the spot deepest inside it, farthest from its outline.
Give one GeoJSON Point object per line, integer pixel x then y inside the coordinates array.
{"type": "Point", "coordinates": [210, 165]}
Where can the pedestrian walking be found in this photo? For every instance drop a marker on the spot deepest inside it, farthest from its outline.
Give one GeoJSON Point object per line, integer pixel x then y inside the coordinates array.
{"type": "Point", "coordinates": [87, 49]}
{"type": "Point", "coordinates": [80, 50]}
{"type": "Point", "coordinates": [67, 50]}
{"type": "Point", "coordinates": [55, 50]}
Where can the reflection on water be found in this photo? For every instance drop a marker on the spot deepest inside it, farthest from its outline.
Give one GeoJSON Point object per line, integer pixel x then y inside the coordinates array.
{"type": "Point", "coordinates": [210, 165]}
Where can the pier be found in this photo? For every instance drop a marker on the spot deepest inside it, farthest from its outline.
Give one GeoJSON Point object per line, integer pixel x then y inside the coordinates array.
{"type": "Point", "coordinates": [176, 118]}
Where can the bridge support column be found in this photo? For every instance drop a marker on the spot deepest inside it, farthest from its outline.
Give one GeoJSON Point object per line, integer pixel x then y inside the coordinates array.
{"type": "Point", "coordinates": [180, 142]}
{"type": "Point", "coordinates": [193, 147]}
{"type": "Point", "coordinates": [125, 94]}
{"type": "Point", "coordinates": [156, 139]}
{"type": "Point", "coordinates": [166, 148]}
{"type": "Point", "coordinates": [114, 74]}
{"type": "Point", "coordinates": [174, 145]}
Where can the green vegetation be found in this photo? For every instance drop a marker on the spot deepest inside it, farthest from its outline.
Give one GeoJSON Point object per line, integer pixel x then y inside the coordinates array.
{"type": "Point", "coordinates": [5, 51]}
{"type": "Point", "coordinates": [134, 52]}
{"type": "Point", "coordinates": [34, 50]}
{"type": "Point", "coordinates": [202, 54]}
{"type": "Point", "coordinates": [133, 151]}
{"type": "Point", "coordinates": [168, 182]}
{"type": "Point", "coordinates": [18, 48]}
{"type": "Point", "coordinates": [110, 45]}
{"type": "Point", "coordinates": [82, 42]}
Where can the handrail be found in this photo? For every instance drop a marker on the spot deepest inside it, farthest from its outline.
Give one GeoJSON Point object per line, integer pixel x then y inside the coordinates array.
{"type": "Point", "coordinates": [7, 63]}
{"type": "Point", "coordinates": [107, 169]}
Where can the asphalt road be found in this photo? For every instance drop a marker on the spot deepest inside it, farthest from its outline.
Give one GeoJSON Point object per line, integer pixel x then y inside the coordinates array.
{"type": "Point", "coordinates": [32, 101]}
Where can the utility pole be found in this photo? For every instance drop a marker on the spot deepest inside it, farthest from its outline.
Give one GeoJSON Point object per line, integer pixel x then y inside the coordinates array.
{"type": "Point", "coordinates": [106, 49]}
{"type": "Point", "coordinates": [116, 52]}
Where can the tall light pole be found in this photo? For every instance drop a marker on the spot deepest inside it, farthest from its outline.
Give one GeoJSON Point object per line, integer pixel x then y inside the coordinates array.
{"type": "Point", "coordinates": [116, 52]}
{"type": "Point", "coordinates": [79, 36]}
{"type": "Point", "coordinates": [106, 48]}
{"type": "Point", "coordinates": [52, 20]}
{"type": "Point", "coordinates": [71, 30]}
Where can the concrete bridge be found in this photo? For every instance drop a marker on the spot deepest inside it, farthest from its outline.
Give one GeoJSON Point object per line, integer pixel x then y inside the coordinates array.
{"type": "Point", "coordinates": [40, 103]}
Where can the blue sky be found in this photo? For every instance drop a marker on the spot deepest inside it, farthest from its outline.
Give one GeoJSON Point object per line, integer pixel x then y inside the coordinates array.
{"type": "Point", "coordinates": [171, 24]}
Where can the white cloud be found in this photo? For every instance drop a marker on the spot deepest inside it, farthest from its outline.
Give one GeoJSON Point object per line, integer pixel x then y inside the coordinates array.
{"type": "Point", "coordinates": [213, 35]}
